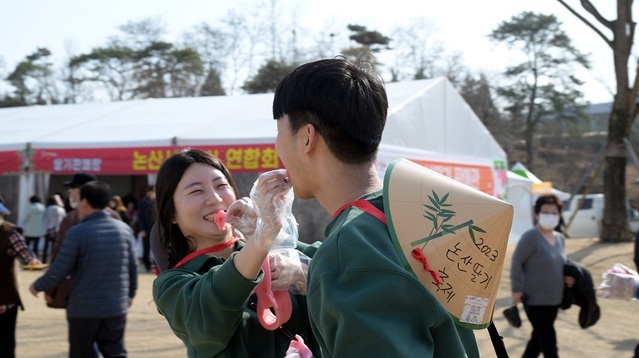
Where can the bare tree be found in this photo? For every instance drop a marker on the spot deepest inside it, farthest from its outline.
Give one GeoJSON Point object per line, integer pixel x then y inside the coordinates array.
{"type": "Point", "coordinates": [619, 36]}
{"type": "Point", "coordinates": [416, 50]}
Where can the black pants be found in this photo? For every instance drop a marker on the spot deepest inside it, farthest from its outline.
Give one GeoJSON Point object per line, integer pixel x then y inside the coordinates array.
{"type": "Point", "coordinates": [543, 338]}
{"type": "Point", "coordinates": [49, 239]}
{"type": "Point", "coordinates": [146, 251]}
{"type": "Point", "coordinates": [33, 243]}
{"type": "Point", "coordinates": [105, 334]}
{"type": "Point", "coordinates": [8, 333]}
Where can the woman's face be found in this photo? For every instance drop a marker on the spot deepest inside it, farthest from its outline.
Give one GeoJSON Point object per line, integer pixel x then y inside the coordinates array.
{"type": "Point", "coordinates": [202, 191]}
{"type": "Point", "coordinates": [549, 209]}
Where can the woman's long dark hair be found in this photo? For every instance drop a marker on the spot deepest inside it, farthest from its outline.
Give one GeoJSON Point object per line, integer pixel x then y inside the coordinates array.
{"type": "Point", "coordinates": [169, 175]}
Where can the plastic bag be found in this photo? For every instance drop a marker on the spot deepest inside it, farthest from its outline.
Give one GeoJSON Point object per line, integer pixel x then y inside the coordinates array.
{"type": "Point", "coordinates": [620, 282]}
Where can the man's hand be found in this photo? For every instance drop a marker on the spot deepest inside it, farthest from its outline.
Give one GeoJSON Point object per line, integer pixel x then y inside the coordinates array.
{"type": "Point", "coordinates": [33, 290]}
{"type": "Point", "coordinates": [34, 261]}
{"type": "Point", "coordinates": [287, 271]}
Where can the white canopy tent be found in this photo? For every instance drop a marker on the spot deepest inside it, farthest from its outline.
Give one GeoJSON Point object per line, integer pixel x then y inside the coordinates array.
{"type": "Point", "coordinates": [428, 122]}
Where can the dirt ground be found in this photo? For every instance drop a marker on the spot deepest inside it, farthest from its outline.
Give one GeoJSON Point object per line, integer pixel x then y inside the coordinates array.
{"type": "Point", "coordinates": [42, 332]}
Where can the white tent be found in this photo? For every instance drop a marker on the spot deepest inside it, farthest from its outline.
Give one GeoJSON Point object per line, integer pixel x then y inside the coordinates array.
{"type": "Point", "coordinates": [428, 122]}
{"type": "Point", "coordinates": [520, 195]}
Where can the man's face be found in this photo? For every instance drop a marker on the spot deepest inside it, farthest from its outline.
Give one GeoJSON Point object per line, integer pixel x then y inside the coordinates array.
{"type": "Point", "coordinates": [74, 196]}
{"type": "Point", "coordinates": [290, 151]}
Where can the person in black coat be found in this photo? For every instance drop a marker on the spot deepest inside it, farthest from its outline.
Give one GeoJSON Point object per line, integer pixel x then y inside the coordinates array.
{"type": "Point", "coordinates": [146, 219]}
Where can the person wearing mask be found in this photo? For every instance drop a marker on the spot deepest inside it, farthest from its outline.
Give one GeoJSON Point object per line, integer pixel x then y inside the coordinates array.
{"type": "Point", "coordinates": [99, 253]}
{"type": "Point", "coordinates": [209, 270]}
{"type": "Point", "coordinates": [34, 226]}
{"type": "Point", "coordinates": [330, 117]}
{"type": "Point", "coordinates": [12, 247]}
{"type": "Point", "coordinates": [537, 276]}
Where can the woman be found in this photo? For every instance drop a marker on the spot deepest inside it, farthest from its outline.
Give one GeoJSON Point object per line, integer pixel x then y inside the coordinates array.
{"type": "Point", "coordinates": [53, 215]}
{"type": "Point", "coordinates": [537, 276]}
{"type": "Point", "coordinates": [118, 206]}
{"type": "Point", "coordinates": [206, 294]}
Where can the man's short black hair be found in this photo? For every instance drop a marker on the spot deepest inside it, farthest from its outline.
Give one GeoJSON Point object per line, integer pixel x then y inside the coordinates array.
{"type": "Point", "coordinates": [97, 193]}
{"type": "Point", "coordinates": [345, 100]}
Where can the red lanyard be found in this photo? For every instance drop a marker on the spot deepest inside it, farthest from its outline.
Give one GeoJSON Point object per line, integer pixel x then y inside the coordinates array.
{"type": "Point", "coordinates": [366, 206]}
{"type": "Point", "coordinates": [372, 210]}
{"type": "Point", "coordinates": [206, 250]}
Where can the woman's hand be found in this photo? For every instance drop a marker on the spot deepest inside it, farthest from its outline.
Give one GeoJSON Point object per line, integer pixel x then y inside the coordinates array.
{"type": "Point", "coordinates": [517, 297]}
{"type": "Point", "coordinates": [242, 215]}
{"type": "Point", "coordinates": [569, 281]}
{"type": "Point", "coordinates": [272, 194]}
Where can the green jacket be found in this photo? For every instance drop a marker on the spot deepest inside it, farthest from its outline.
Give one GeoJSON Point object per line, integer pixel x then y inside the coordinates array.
{"type": "Point", "coordinates": [363, 303]}
{"type": "Point", "coordinates": [206, 304]}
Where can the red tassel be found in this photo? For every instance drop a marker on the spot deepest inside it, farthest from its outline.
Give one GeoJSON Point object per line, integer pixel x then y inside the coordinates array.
{"type": "Point", "coordinates": [418, 254]}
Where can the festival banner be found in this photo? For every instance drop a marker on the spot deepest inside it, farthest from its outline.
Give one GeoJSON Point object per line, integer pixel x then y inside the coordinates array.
{"type": "Point", "coordinates": [477, 176]}
{"type": "Point", "coordinates": [10, 162]}
{"type": "Point", "coordinates": [147, 160]}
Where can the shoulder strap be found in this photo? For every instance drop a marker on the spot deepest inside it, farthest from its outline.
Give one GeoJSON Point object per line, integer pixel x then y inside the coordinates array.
{"type": "Point", "coordinates": [365, 206]}
{"type": "Point", "coordinates": [498, 341]}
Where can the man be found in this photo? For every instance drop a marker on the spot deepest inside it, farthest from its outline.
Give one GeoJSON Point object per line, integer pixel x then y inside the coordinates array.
{"type": "Point", "coordinates": [362, 302]}
{"type": "Point", "coordinates": [12, 246]}
{"type": "Point", "coordinates": [99, 253]}
{"type": "Point", "coordinates": [72, 218]}
{"type": "Point", "coordinates": [57, 296]}
{"type": "Point", "coordinates": [146, 219]}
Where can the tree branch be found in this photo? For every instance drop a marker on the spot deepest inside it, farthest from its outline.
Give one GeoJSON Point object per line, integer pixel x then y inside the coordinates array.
{"type": "Point", "coordinates": [596, 14]}
{"type": "Point", "coordinates": [593, 11]}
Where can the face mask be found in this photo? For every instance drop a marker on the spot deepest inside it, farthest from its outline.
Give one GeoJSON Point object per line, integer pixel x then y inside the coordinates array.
{"type": "Point", "coordinates": [1, 220]}
{"type": "Point", "coordinates": [73, 204]}
{"type": "Point", "coordinates": [548, 221]}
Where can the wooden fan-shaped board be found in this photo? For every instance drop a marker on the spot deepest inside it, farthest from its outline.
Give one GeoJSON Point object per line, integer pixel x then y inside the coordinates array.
{"type": "Point", "coordinates": [461, 231]}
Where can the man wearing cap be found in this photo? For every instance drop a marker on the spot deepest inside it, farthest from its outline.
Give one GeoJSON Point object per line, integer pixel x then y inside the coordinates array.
{"type": "Point", "coordinates": [12, 246]}
{"type": "Point", "coordinates": [72, 219]}
{"type": "Point", "coordinates": [99, 253]}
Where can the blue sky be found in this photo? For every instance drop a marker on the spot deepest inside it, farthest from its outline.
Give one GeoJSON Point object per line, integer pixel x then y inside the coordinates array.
{"type": "Point", "coordinates": [69, 27]}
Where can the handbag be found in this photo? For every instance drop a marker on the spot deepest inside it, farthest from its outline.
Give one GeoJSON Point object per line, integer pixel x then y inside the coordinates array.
{"type": "Point", "coordinates": [512, 316]}
{"type": "Point", "coordinates": [58, 296]}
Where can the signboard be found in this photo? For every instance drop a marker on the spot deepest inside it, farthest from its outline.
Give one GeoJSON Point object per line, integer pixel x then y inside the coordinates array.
{"type": "Point", "coordinates": [147, 160]}
{"type": "Point", "coordinates": [451, 236]}
{"type": "Point", "coordinates": [10, 162]}
{"type": "Point", "coordinates": [479, 177]}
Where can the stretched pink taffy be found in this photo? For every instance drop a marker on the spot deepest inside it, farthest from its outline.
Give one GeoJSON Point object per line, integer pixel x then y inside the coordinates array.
{"type": "Point", "coordinates": [298, 346]}
{"type": "Point", "coordinates": [220, 219]}
{"type": "Point", "coordinates": [279, 301]}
